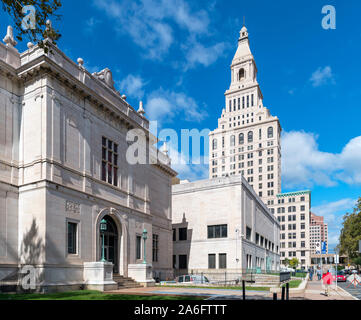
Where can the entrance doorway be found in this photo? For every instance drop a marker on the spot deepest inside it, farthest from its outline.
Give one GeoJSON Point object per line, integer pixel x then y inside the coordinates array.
{"type": "Point", "coordinates": [111, 244]}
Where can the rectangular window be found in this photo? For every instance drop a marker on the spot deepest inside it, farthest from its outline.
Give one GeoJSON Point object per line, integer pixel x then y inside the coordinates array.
{"type": "Point", "coordinates": [182, 234]}
{"type": "Point", "coordinates": [219, 231]}
{"type": "Point", "coordinates": [248, 233]}
{"type": "Point", "coordinates": [211, 261]}
{"type": "Point", "coordinates": [174, 261]}
{"type": "Point", "coordinates": [183, 261]}
{"type": "Point", "coordinates": [109, 171]}
{"type": "Point", "coordinates": [174, 234]}
{"type": "Point", "coordinates": [72, 237]}
{"type": "Point", "coordinates": [155, 247]}
{"type": "Point", "coordinates": [222, 263]}
{"type": "Point", "coordinates": [257, 238]}
{"type": "Point", "coordinates": [138, 247]}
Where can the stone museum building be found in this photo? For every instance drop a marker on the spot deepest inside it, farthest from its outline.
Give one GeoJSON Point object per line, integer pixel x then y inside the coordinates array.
{"type": "Point", "coordinates": [64, 172]}
{"type": "Point", "coordinates": [222, 225]}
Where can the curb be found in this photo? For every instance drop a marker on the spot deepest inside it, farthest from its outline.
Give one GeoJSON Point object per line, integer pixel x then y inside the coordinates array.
{"type": "Point", "coordinates": [348, 294]}
{"type": "Point", "coordinates": [301, 288]}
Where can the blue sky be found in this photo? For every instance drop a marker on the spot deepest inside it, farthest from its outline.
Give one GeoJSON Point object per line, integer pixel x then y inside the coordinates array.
{"type": "Point", "coordinates": [175, 56]}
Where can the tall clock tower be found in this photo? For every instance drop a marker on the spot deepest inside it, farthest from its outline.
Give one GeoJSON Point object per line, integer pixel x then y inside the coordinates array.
{"type": "Point", "coordinates": [247, 141]}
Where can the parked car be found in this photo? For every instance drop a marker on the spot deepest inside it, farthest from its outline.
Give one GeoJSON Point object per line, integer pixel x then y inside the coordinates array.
{"type": "Point", "coordinates": [192, 279]}
{"type": "Point", "coordinates": [354, 271]}
{"type": "Point", "coordinates": [341, 277]}
{"type": "Point", "coordinates": [346, 271]}
{"type": "Point", "coordinates": [287, 270]}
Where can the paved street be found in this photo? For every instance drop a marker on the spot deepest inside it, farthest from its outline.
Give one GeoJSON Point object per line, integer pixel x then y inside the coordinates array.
{"type": "Point", "coordinates": [356, 292]}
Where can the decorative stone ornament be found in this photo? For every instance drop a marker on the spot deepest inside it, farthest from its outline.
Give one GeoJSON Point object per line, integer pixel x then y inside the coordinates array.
{"type": "Point", "coordinates": [106, 77]}
{"type": "Point", "coordinates": [80, 63]}
{"type": "Point", "coordinates": [141, 110]}
{"type": "Point", "coordinates": [165, 148]}
{"type": "Point", "coordinates": [9, 38]}
{"type": "Point", "coordinates": [49, 30]}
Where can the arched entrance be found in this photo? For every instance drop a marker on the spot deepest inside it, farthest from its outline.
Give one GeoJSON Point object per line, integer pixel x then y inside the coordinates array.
{"type": "Point", "coordinates": [111, 243]}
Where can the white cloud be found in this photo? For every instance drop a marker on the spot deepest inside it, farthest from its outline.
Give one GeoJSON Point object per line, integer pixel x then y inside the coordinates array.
{"type": "Point", "coordinates": [333, 213]}
{"type": "Point", "coordinates": [156, 25]}
{"type": "Point", "coordinates": [90, 24]}
{"type": "Point", "coordinates": [188, 170]}
{"type": "Point", "coordinates": [199, 54]}
{"type": "Point", "coordinates": [133, 86]}
{"type": "Point", "coordinates": [322, 76]}
{"type": "Point", "coordinates": [162, 104]}
{"type": "Point", "coordinates": [304, 165]}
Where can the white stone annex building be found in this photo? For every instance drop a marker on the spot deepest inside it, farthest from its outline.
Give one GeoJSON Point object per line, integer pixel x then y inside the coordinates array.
{"type": "Point", "coordinates": [63, 169]}
{"type": "Point", "coordinates": [222, 225]}
{"type": "Point", "coordinates": [247, 142]}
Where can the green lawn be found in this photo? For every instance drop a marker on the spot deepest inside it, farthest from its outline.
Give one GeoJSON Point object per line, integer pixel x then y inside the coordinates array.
{"type": "Point", "coordinates": [293, 284]}
{"type": "Point", "coordinates": [220, 287]}
{"type": "Point", "coordinates": [90, 295]}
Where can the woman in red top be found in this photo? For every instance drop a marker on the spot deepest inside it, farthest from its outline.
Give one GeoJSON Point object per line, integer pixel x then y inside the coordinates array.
{"type": "Point", "coordinates": [327, 281]}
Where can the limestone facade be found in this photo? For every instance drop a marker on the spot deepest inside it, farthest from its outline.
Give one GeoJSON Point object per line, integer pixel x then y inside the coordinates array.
{"type": "Point", "coordinates": [248, 138]}
{"type": "Point", "coordinates": [63, 168]}
{"type": "Point", "coordinates": [247, 142]}
{"type": "Point", "coordinates": [292, 210]}
{"type": "Point", "coordinates": [222, 225]}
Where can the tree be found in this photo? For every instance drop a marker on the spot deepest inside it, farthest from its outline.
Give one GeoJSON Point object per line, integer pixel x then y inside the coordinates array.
{"type": "Point", "coordinates": [24, 24]}
{"type": "Point", "coordinates": [286, 262]}
{"type": "Point", "coordinates": [351, 232]}
{"type": "Point", "coordinates": [294, 263]}
{"type": "Point", "coordinates": [357, 261]}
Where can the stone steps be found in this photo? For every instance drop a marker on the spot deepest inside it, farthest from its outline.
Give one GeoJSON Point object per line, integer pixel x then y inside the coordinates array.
{"type": "Point", "coordinates": [125, 282]}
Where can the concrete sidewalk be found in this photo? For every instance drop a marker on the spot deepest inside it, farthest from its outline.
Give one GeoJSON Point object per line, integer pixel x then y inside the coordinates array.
{"type": "Point", "coordinates": [315, 291]}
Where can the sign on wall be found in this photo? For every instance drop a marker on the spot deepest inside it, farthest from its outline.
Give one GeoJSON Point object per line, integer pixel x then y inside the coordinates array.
{"type": "Point", "coordinates": [323, 247]}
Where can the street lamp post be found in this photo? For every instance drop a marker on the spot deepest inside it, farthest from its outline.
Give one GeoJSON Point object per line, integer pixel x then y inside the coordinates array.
{"type": "Point", "coordinates": [103, 228]}
{"type": "Point", "coordinates": [337, 251]}
{"type": "Point", "coordinates": [145, 237]}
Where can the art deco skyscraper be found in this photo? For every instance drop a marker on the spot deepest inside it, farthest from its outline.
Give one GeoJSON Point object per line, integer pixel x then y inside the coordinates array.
{"type": "Point", "coordinates": [247, 140]}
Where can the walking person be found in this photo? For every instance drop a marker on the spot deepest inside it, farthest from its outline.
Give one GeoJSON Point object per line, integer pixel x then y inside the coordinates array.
{"type": "Point", "coordinates": [310, 273]}
{"type": "Point", "coordinates": [318, 273]}
{"type": "Point", "coordinates": [327, 281]}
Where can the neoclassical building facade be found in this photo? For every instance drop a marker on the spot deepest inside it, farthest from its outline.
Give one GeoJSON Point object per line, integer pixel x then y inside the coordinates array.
{"type": "Point", "coordinates": [221, 225]}
{"type": "Point", "coordinates": [64, 169]}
